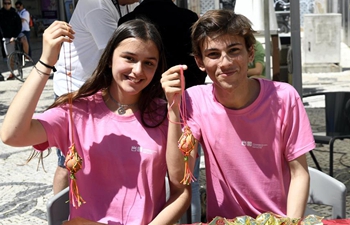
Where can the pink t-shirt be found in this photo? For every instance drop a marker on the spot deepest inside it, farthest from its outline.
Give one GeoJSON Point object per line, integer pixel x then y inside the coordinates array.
{"type": "Point", "coordinates": [124, 167]}
{"type": "Point", "coordinates": [247, 151]}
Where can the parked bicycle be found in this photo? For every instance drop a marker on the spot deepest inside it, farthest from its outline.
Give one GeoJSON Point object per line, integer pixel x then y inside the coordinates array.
{"type": "Point", "coordinates": [19, 63]}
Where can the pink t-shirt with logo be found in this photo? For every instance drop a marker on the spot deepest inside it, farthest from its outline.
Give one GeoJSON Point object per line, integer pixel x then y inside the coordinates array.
{"type": "Point", "coordinates": [247, 151]}
{"type": "Point", "coordinates": [124, 167]}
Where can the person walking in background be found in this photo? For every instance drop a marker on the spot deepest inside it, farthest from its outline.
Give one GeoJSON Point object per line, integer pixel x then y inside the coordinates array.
{"type": "Point", "coordinates": [122, 177]}
{"type": "Point", "coordinates": [254, 132]}
{"type": "Point", "coordinates": [11, 26]}
{"type": "Point", "coordinates": [2, 42]}
{"type": "Point", "coordinates": [25, 18]}
{"type": "Point", "coordinates": [94, 22]}
{"type": "Point", "coordinates": [174, 24]}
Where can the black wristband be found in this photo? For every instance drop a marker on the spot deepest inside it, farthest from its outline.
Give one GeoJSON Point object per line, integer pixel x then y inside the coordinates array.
{"type": "Point", "coordinates": [41, 72]}
{"type": "Point", "coordinates": [48, 66]}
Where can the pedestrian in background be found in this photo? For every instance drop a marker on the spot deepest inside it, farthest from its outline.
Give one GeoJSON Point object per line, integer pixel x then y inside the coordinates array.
{"type": "Point", "coordinates": [11, 26]}
{"type": "Point", "coordinates": [2, 42]}
{"type": "Point", "coordinates": [174, 24]}
{"type": "Point", "coordinates": [25, 18]}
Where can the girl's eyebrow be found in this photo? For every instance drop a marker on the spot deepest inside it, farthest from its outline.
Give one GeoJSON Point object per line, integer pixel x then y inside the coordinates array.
{"type": "Point", "coordinates": [133, 54]}
{"type": "Point", "coordinates": [129, 53]}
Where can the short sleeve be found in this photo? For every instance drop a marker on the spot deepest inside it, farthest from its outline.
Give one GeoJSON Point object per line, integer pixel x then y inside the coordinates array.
{"type": "Point", "coordinates": [297, 132]}
{"type": "Point", "coordinates": [56, 123]}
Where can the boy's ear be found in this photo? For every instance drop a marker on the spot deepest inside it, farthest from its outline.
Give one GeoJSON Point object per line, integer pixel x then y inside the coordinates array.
{"type": "Point", "coordinates": [200, 63]}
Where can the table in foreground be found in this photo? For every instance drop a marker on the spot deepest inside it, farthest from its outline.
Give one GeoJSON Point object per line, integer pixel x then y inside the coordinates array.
{"type": "Point", "coordinates": [324, 221]}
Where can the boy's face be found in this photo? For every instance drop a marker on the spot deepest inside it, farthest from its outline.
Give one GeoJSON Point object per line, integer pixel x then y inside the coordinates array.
{"type": "Point", "coordinates": [225, 59]}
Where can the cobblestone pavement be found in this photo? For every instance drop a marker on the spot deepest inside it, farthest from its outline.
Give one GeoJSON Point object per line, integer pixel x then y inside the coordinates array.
{"type": "Point", "coordinates": [24, 189]}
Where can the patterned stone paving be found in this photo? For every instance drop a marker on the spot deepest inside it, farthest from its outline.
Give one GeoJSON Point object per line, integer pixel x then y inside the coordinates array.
{"type": "Point", "coordinates": [24, 188]}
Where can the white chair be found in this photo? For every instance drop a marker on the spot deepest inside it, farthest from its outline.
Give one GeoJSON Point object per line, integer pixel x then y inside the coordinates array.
{"type": "Point", "coordinates": [58, 208]}
{"type": "Point", "coordinates": [326, 190]}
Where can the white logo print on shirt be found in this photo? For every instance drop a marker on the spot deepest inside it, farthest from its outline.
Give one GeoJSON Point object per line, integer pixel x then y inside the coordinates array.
{"type": "Point", "coordinates": [252, 145]}
{"type": "Point", "coordinates": [142, 150]}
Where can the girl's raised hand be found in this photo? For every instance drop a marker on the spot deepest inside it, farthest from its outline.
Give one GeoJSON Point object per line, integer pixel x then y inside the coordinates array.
{"type": "Point", "coordinates": [53, 37]}
{"type": "Point", "coordinates": [171, 83]}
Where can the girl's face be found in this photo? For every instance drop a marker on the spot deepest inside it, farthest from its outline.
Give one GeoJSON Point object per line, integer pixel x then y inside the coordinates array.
{"type": "Point", "coordinates": [134, 63]}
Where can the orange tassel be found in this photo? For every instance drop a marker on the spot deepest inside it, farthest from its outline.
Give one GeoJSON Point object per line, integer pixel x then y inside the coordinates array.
{"type": "Point", "coordinates": [77, 200]}
{"type": "Point", "coordinates": [186, 142]}
{"type": "Point", "coordinates": [73, 163]}
{"type": "Point", "coordinates": [186, 145]}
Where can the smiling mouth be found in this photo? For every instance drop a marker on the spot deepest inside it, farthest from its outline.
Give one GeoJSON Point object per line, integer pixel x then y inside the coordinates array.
{"type": "Point", "coordinates": [133, 79]}
{"type": "Point", "coordinates": [227, 73]}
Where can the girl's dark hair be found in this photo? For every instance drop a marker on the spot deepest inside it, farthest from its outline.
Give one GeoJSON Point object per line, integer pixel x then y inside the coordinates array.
{"type": "Point", "coordinates": [215, 23]}
{"type": "Point", "coordinates": [153, 112]}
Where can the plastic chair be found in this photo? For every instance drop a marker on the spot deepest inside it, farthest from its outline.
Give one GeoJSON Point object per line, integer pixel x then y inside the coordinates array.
{"type": "Point", "coordinates": [337, 112]}
{"type": "Point", "coordinates": [58, 208]}
{"type": "Point", "coordinates": [326, 190]}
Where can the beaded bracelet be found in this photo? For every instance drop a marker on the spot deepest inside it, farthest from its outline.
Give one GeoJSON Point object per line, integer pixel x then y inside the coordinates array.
{"type": "Point", "coordinates": [48, 66]}
{"type": "Point", "coordinates": [41, 72]}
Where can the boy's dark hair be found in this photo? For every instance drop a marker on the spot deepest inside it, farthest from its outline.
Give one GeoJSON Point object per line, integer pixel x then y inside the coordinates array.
{"type": "Point", "coordinates": [215, 23]}
{"type": "Point", "coordinates": [19, 3]}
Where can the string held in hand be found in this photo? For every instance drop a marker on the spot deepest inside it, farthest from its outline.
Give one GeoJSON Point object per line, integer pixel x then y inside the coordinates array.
{"type": "Point", "coordinates": [73, 161]}
{"type": "Point", "coordinates": [186, 142]}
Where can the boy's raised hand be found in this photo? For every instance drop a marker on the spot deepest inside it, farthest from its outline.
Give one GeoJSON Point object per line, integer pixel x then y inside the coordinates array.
{"type": "Point", "coordinates": [171, 83]}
